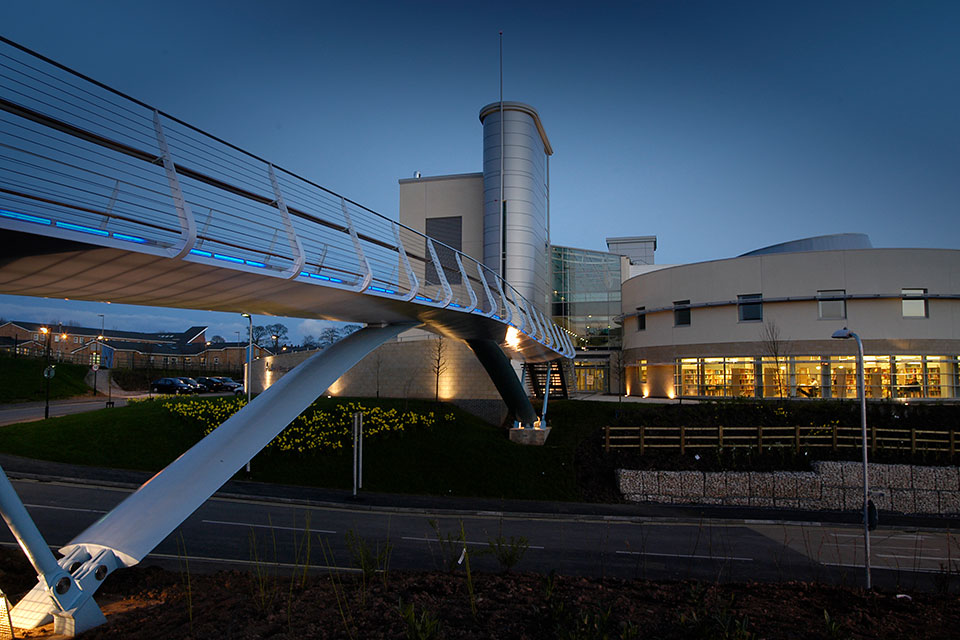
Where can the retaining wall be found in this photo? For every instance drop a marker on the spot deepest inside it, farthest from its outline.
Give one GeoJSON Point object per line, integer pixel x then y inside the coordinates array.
{"type": "Point", "coordinates": [831, 486]}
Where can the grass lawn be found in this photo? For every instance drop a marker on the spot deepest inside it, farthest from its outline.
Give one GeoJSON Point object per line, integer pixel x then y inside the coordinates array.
{"type": "Point", "coordinates": [21, 380]}
{"type": "Point", "coordinates": [463, 457]}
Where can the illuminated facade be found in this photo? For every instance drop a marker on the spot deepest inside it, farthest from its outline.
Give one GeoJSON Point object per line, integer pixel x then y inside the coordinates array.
{"type": "Point", "coordinates": [759, 325]}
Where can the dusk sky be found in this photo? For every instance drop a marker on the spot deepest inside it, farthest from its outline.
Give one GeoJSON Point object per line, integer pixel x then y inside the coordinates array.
{"type": "Point", "coordinates": [719, 127]}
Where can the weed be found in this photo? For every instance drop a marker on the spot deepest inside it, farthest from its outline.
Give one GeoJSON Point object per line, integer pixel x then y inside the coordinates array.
{"type": "Point", "coordinates": [266, 587]}
{"type": "Point", "coordinates": [451, 547]}
{"type": "Point", "coordinates": [507, 551]}
{"type": "Point", "coordinates": [722, 622]}
{"type": "Point", "coordinates": [369, 561]}
{"type": "Point", "coordinates": [466, 560]}
{"type": "Point", "coordinates": [426, 626]}
{"type": "Point", "coordinates": [184, 561]}
{"type": "Point", "coordinates": [346, 616]}
{"type": "Point", "coordinates": [834, 630]}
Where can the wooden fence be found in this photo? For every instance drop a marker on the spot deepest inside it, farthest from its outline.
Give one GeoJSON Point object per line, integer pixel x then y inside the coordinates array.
{"type": "Point", "coordinates": [825, 437]}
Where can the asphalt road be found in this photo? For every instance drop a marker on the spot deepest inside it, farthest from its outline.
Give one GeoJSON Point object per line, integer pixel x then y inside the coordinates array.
{"type": "Point", "coordinates": [33, 411]}
{"type": "Point", "coordinates": [231, 532]}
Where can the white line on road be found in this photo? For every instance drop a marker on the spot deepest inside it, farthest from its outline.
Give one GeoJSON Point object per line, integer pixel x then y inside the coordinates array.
{"type": "Point", "coordinates": [481, 544]}
{"type": "Point", "coordinates": [683, 555]}
{"type": "Point", "coordinates": [905, 537]}
{"type": "Point", "coordinates": [47, 506]}
{"type": "Point", "coordinates": [919, 558]}
{"type": "Point", "coordinates": [265, 526]}
{"type": "Point", "coordinates": [875, 567]}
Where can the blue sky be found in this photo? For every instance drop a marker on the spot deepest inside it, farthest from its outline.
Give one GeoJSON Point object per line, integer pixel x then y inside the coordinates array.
{"type": "Point", "coordinates": [720, 127]}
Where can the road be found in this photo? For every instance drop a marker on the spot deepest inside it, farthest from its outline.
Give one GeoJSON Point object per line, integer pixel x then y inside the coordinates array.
{"type": "Point", "coordinates": [33, 411]}
{"type": "Point", "coordinates": [230, 531]}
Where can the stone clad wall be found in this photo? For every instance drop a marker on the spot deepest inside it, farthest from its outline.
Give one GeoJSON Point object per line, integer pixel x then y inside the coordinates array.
{"type": "Point", "coordinates": [831, 486]}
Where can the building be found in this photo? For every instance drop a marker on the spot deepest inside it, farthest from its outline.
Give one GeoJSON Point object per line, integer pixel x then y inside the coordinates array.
{"type": "Point", "coordinates": [187, 350]}
{"type": "Point", "coordinates": [760, 325]}
{"type": "Point", "coordinates": [578, 288]}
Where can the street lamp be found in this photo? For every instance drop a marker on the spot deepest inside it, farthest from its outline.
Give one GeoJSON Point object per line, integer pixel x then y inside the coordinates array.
{"type": "Point", "coordinates": [845, 334]}
{"type": "Point", "coordinates": [246, 372]}
{"type": "Point", "coordinates": [99, 358]}
{"type": "Point", "coordinates": [47, 371]}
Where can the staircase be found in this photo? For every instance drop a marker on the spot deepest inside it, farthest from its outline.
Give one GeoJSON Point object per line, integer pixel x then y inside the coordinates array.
{"type": "Point", "coordinates": [535, 374]}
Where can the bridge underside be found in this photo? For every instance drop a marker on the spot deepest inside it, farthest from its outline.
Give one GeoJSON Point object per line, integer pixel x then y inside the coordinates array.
{"type": "Point", "coordinates": [41, 266]}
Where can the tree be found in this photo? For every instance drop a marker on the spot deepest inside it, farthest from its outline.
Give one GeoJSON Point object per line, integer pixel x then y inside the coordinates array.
{"type": "Point", "coordinates": [377, 367]}
{"type": "Point", "coordinates": [309, 341]}
{"type": "Point", "coordinates": [348, 329]}
{"type": "Point", "coordinates": [438, 364]}
{"type": "Point", "coordinates": [278, 333]}
{"type": "Point", "coordinates": [217, 340]}
{"type": "Point", "coordinates": [328, 336]}
{"type": "Point", "coordinates": [775, 346]}
{"type": "Point", "coordinates": [259, 333]}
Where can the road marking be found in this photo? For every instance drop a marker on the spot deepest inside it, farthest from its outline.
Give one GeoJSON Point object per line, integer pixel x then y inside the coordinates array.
{"type": "Point", "coordinates": [919, 558]}
{"type": "Point", "coordinates": [882, 568]}
{"type": "Point", "coordinates": [285, 565]}
{"type": "Point", "coordinates": [874, 546]}
{"type": "Point", "coordinates": [683, 555]}
{"type": "Point", "coordinates": [456, 542]}
{"type": "Point", "coordinates": [904, 537]}
{"type": "Point", "coordinates": [265, 526]}
{"type": "Point", "coordinates": [45, 506]}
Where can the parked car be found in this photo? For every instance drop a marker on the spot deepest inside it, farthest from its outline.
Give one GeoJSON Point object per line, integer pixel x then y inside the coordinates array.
{"type": "Point", "coordinates": [195, 386]}
{"type": "Point", "coordinates": [170, 385]}
{"type": "Point", "coordinates": [232, 385]}
{"type": "Point", "coordinates": [212, 384]}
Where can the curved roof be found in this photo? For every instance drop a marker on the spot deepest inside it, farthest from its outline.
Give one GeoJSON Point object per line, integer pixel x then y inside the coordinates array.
{"type": "Point", "coordinates": [833, 242]}
{"type": "Point", "coordinates": [523, 108]}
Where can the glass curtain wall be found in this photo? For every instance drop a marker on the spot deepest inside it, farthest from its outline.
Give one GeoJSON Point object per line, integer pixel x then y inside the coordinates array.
{"type": "Point", "coordinates": [586, 295]}
{"type": "Point", "coordinates": [885, 377]}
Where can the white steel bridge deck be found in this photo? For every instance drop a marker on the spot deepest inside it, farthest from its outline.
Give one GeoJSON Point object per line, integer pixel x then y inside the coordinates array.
{"type": "Point", "coordinates": [105, 198]}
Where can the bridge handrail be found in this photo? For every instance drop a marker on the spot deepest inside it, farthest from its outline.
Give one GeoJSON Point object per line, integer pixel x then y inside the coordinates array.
{"type": "Point", "coordinates": [107, 150]}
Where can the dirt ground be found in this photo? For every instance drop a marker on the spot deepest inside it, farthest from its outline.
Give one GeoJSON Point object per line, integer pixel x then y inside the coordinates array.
{"type": "Point", "coordinates": [149, 602]}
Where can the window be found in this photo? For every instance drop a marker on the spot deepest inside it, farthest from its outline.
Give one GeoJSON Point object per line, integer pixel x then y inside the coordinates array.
{"type": "Point", "coordinates": [77, 340]}
{"type": "Point", "coordinates": [36, 336]}
{"type": "Point", "coordinates": [750, 307]}
{"type": "Point", "coordinates": [681, 313]}
{"type": "Point", "coordinates": [914, 303]}
{"type": "Point", "coordinates": [641, 318]}
{"type": "Point", "coordinates": [831, 304]}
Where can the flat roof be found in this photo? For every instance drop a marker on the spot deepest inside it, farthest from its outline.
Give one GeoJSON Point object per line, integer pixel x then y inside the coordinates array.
{"type": "Point", "coordinates": [452, 176]}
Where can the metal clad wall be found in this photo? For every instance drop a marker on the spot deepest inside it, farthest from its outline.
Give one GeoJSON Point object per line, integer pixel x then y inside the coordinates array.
{"type": "Point", "coordinates": [526, 195]}
{"type": "Point", "coordinates": [446, 230]}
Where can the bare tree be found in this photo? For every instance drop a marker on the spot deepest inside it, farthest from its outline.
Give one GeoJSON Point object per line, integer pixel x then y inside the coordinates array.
{"type": "Point", "coordinates": [217, 340]}
{"type": "Point", "coordinates": [778, 347]}
{"type": "Point", "coordinates": [377, 366]}
{"type": "Point", "coordinates": [438, 365]}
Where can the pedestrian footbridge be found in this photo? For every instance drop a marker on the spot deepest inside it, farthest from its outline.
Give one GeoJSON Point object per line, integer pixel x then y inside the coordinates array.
{"type": "Point", "coordinates": [105, 198]}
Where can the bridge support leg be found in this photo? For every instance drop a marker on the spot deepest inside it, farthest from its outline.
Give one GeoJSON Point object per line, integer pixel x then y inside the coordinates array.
{"type": "Point", "coordinates": [139, 523]}
{"type": "Point", "coordinates": [498, 367]}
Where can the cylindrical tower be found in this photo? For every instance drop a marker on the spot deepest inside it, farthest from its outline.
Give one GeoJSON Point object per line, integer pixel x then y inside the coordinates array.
{"type": "Point", "coordinates": [516, 230]}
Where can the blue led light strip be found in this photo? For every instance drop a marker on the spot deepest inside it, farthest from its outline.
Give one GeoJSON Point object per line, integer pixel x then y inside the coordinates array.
{"type": "Point", "coordinates": [23, 216]}
{"type": "Point", "coordinates": [382, 290]}
{"type": "Point", "coordinates": [83, 229]}
{"type": "Point", "coordinates": [123, 236]}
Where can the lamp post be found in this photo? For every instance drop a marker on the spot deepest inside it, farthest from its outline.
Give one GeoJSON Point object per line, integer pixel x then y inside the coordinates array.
{"type": "Point", "coordinates": [99, 358]}
{"type": "Point", "coordinates": [46, 372]}
{"type": "Point", "coordinates": [844, 334]}
{"type": "Point", "coordinates": [246, 372]}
